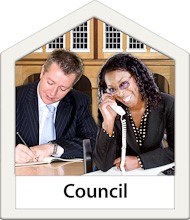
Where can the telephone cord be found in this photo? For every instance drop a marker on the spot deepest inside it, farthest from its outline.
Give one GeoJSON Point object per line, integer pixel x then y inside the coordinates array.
{"type": "Point", "coordinates": [124, 145]}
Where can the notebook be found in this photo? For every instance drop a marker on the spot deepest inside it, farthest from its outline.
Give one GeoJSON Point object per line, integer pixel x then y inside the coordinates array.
{"type": "Point", "coordinates": [49, 160]}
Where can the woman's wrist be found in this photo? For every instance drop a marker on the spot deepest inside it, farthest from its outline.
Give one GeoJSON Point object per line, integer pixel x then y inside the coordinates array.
{"type": "Point", "coordinates": [108, 127]}
{"type": "Point", "coordinates": [139, 162]}
{"type": "Point", "coordinates": [110, 135]}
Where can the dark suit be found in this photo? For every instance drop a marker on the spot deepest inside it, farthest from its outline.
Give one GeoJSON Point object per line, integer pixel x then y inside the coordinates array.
{"type": "Point", "coordinates": [73, 121]}
{"type": "Point", "coordinates": [152, 153]}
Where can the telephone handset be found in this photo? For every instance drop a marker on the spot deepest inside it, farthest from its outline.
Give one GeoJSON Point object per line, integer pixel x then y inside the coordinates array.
{"type": "Point", "coordinates": [118, 109]}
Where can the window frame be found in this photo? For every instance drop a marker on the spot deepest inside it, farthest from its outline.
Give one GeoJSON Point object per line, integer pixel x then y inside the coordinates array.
{"type": "Point", "coordinates": [106, 50]}
{"type": "Point", "coordinates": [51, 49]}
{"type": "Point", "coordinates": [80, 50]}
{"type": "Point", "coordinates": [134, 49]}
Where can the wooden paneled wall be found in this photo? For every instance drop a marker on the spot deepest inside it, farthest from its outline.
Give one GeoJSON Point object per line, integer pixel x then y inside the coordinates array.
{"type": "Point", "coordinates": [26, 68]}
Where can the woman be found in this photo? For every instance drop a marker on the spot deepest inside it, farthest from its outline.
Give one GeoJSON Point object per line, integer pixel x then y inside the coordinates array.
{"type": "Point", "coordinates": [125, 80]}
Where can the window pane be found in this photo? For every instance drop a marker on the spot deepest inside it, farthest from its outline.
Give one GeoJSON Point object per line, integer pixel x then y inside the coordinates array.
{"type": "Point", "coordinates": [80, 35]}
{"type": "Point", "coordinates": [57, 43]}
{"type": "Point", "coordinates": [135, 44]}
{"type": "Point", "coordinates": [112, 35]}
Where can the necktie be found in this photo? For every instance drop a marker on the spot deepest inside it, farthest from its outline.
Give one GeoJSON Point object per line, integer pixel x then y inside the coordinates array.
{"type": "Point", "coordinates": [48, 131]}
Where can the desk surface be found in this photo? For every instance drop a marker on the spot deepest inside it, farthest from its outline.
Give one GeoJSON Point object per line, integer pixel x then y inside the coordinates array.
{"type": "Point", "coordinates": [77, 168]}
{"type": "Point", "coordinates": [114, 171]}
{"type": "Point", "coordinates": [52, 169]}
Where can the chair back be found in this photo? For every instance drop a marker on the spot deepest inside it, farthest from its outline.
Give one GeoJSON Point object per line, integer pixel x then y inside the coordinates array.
{"type": "Point", "coordinates": [87, 155]}
{"type": "Point", "coordinates": [162, 83]}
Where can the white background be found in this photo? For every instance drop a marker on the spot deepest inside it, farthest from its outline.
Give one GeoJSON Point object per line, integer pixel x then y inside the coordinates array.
{"type": "Point", "coordinates": [148, 198]}
{"type": "Point", "coordinates": [19, 19]}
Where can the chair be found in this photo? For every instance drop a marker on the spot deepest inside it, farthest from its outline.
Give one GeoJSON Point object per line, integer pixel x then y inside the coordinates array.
{"type": "Point", "coordinates": [162, 83]}
{"type": "Point", "coordinates": [163, 86]}
{"type": "Point", "coordinates": [87, 155]}
{"type": "Point", "coordinates": [32, 78]}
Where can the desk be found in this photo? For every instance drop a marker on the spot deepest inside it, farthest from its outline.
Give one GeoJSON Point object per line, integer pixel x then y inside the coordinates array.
{"type": "Point", "coordinates": [138, 172]}
{"type": "Point", "coordinates": [77, 168]}
{"type": "Point", "coordinates": [52, 169]}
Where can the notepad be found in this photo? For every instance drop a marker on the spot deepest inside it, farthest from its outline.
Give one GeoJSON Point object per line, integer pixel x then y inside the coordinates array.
{"type": "Point", "coordinates": [49, 160]}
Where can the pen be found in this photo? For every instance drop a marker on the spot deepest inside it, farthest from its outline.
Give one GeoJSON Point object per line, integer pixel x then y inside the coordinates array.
{"type": "Point", "coordinates": [24, 143]}
{"type": "Point", "coordinates": [22, 139]}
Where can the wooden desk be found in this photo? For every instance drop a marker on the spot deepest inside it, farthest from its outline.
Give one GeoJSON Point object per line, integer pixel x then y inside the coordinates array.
{"type": "Point", "coordinates": [52, 169]}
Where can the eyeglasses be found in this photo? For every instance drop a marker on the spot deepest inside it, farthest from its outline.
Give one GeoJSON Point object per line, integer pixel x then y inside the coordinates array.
{"type": "Point", "coordinates": [123, 85]}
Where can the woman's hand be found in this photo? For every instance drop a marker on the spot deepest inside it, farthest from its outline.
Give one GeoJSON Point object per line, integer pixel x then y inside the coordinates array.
{"type": "Point", "coordinates": [107, 112]}
{"type": "Point", "coordinates": [131, 163]}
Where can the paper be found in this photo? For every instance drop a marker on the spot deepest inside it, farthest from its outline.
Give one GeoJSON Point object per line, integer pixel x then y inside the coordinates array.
{"type": "Point", "coordinates": [49, 160]}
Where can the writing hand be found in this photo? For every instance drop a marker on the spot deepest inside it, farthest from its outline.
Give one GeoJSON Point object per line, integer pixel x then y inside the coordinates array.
{"type": "Point", "coordinates": [23, 154]}
{"type": "Point", "coordinates": [43, 150]}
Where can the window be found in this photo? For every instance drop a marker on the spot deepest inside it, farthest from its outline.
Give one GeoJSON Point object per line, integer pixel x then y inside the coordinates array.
{"type": "Point", "coordinates": [134, 45]}
{"type": "Point", "coordinates": [112, 39]}
{"type": "Point", "coordinates": [58, 43]}
{"type": "Point", "coordinates": [80, 38]}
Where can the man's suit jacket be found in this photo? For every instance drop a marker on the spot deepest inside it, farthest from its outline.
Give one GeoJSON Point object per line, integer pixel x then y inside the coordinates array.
{"type": "Point", "coordinates": [73, 121]}
{"type": "Point", "coordinates": [152, 153]}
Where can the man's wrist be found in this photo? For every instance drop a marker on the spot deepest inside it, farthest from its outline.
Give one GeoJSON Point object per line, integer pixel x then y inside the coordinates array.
{"type": "Point", "coordinates": [57, 150]}
{"type": "Point", "coordinates": [54, 147]}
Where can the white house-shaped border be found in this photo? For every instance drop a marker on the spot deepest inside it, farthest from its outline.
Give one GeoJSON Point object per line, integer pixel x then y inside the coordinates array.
{"type": "Point", "coordinates": [11, 55]}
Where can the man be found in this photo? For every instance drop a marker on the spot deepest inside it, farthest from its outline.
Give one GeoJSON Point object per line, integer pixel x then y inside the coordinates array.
{"type": "Point", "coordinates": [58, 132]}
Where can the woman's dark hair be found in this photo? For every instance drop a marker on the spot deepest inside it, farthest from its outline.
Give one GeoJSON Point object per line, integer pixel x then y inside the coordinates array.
{"type": "Point", "coordinates": [144, 78]}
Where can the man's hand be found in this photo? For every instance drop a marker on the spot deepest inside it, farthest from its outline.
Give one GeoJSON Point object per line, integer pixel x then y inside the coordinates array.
{"type": "Point", "coordinates": [23, 154]}
{"type": "Point", "coordinates": [42, 151]}
{"type": "Point", "coordinates": [131, 163]}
